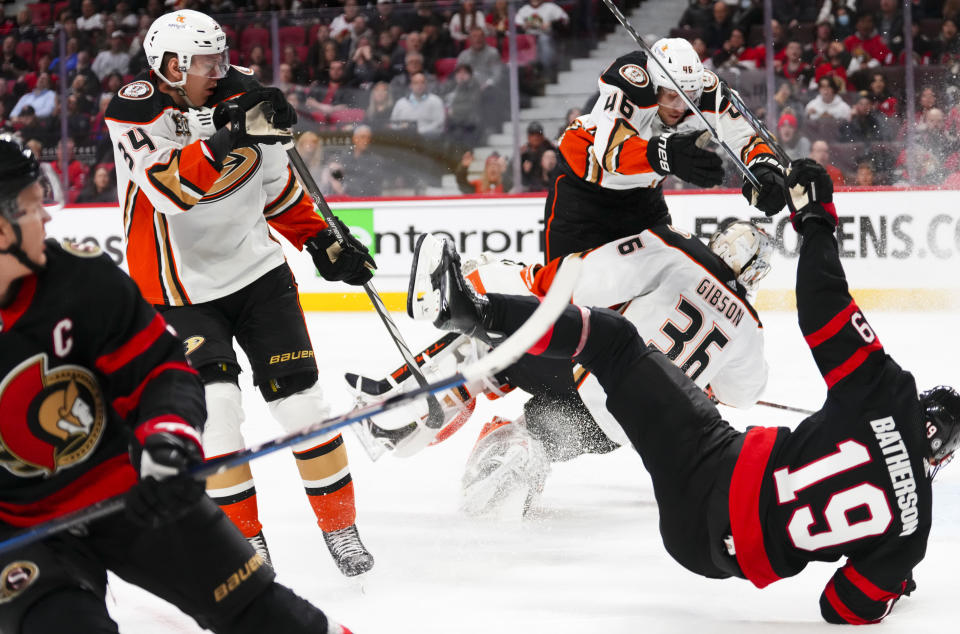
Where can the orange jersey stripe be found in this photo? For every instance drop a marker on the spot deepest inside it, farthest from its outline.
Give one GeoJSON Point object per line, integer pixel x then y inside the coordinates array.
{"type": "Point", "coordinates": [142, 250]}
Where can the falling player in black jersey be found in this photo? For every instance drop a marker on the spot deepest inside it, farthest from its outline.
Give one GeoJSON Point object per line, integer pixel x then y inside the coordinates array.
{"type": "Point", "coordinates": [97, 400]}
{"type": "Point", "coordinates": [852, 480]}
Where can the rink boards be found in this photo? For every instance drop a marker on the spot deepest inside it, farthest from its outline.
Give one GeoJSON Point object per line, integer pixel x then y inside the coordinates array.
{"type": "Point", "coordinates": [900, 248]}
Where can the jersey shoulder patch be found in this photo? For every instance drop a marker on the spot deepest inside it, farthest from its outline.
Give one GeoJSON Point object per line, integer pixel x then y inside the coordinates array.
{"type": "Point", "coordinates": [136, 90]}
{"type": "Point", "coordinates": [629, 74]}
{"type": "Point", "coordinates": [81, 249]}
{"type": "Point", "coordinates": [242, 69]}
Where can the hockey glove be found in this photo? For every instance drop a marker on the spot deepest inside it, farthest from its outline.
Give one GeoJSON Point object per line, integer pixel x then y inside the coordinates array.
{"type": "Point", "coordinates": [810, 194]}
{"type": "Point", "coordinates": [683, 155]}
{"type": "Point", "coordinates": [165, 491]}
{"type": "Point", "coordinates": [349, 262]}
{"type": "Point", "coordinates": [260, 116]}
{"type": "Point", "coordinates": [771, 197]}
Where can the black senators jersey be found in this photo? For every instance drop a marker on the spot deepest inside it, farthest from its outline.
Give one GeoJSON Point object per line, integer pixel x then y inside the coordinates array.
{"type": "Point", "coordinates": [851, 480]}
{"type": "Point", "coordinates": [85, 363]}
{"type": "Point", "coordinates": [197, 230]}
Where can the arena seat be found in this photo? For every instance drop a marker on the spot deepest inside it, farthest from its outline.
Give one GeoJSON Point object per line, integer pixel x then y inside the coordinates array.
{"type": "Point", "coordinates": [40, 13]}
{"type": "Point", "coordinates": [252, 36]}
{"type": "Point", "coordinates": [295, 35]}
{"type": "Point", "coordinates": [44, 47]}
{"type": "Point", "coordinates": [25, 50]}
{"type": "Point", "coordinates": [526, 49]}
{"type": "Point", "coordinates": [350, 115]}
{"type": "Point", "coordinates": [444, 66]}
{"type": "Point", "coordinates": [688, 34]}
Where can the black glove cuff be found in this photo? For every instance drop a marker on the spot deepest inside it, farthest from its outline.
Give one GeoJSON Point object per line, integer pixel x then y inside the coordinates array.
{"type": "Point", "coordinates": [657, 154]}
{"type": "Point", "coordinates": [220, 145]}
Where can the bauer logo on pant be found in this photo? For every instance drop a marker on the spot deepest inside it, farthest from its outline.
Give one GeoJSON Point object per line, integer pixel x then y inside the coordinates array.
{"type": "Point", "coordinates": [17, 577]}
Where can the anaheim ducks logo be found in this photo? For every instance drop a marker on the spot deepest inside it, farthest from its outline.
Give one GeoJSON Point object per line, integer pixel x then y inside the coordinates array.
{"type": "Point", "coordinates": [238, 167]}
{"type": "Point", "coordinates": [192, 343]}
{"type": "Point", "coordinates": [136, 90]}
{"type": "Point", "coordinates": [243, 69]}
{"type": "Point", "coordinates": [16, 577]}
{"type": "Point", "coordinates": [710, 80]}
{"type": "Point", "coordinates": [52, 419]}
{"type": "Point", "coordinates": [635, 75]}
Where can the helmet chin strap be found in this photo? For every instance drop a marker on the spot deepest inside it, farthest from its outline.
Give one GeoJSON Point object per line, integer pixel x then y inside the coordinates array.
{"type": "Point", "coordinates": [186, 99]}
{"type": "Point", "coordinates": [19, 253]}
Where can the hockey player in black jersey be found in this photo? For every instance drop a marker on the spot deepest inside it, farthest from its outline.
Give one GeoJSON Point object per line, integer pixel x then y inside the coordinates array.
{"type": "Point", "coordinates": [852, 480]}
{"type": "Point", "coordinates": [97, 400]}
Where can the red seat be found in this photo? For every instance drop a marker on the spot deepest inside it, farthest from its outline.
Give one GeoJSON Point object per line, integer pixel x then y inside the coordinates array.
{"type": "Point", "coordinates": [444, 66]}
{"type": "Point", "coordinates": [252, 36]}
{"type": "Point", "coordinates": [30, 80]}
{"type": "Point", "coordinates": [40, 13]}
{"type": "Point", "coordinates": [234, 56]}
{"type": "Point", "coordinates": [526, 49]}
{"type": "Point", "coordinates": [25, 50]}
{"type": "Point", "coordinates": [230, 33]}
{"type": "Point", "coordinates": [492, 41]}
{"type": "Point", "coordinates": [350, 115]}
{"type": "Point", "coordinates": [312, 33]}
{"type": "Point", "coordinates": [44, 47]}
{"type": "Point", "coordinates": [302, 53]}
{"type": "Point", "coordinates": [291, 35]}
{"type": "Point", "coordinates": [60, 6]}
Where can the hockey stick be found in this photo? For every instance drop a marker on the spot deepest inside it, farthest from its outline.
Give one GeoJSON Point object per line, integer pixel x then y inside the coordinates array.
{"type": "Point", "coordinates": [789, 408]}
{"type": "Point", "coordinates": [747, 174]}
{"type": "Point", "coordinates": [502, 356]}
{"type": "Point", "coordinates": [434, 412]}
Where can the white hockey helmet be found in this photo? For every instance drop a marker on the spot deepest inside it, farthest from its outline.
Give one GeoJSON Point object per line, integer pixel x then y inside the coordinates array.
{"type": "Point", "coordinates": [682, 62]}
{"type": "Point", "coordinates": [746, 249]}
{"type": "Point", "coordinates": [189, 34]}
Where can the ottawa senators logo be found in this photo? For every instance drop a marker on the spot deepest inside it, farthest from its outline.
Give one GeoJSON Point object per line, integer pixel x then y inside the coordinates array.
{"type": "Point", "coordinates": [17, 577]}
{"type": "Point", "coordinates": [239, 165]}
{"type": "Point", "coordinates": [52, 419]}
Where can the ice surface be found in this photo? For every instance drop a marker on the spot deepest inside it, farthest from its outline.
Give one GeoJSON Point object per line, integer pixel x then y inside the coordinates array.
{"type": "Point", "coordinates": [591, 560]}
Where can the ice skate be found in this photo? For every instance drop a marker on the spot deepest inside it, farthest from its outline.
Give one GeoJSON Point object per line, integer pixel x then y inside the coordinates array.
{"type": "Point", "coordinates": [259, 544]}
{"type": "Point", "coordinates": [349, 553]}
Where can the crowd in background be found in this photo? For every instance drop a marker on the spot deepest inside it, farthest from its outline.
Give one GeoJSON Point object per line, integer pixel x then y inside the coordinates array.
{"type": "Point", "coordinates": [392, 95]}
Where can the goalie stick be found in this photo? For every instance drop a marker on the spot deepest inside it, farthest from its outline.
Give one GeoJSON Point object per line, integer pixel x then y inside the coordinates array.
{"type": "Point", "coordinates": [504, 355]}
{"type": "Point", "coordinates": [434, 412]}
{"type": "Point", "coordinates": [732, 95]}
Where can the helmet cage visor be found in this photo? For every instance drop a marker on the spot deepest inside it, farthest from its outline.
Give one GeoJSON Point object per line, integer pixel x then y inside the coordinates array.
{"type": "Point", "coordinates": [669, 98]}
{"type": "Point", "coordinates": [210, 65]}
{"type": "Point", "coordinates": [758, 266]}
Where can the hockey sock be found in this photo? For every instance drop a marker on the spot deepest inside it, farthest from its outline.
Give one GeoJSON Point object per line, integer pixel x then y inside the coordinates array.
{"type": "Point", "coordinates": [234, 493]}
{"type": "Point", "coordinates": [564, 340]}
{"type": "Point", "coordinates": [329, 487]}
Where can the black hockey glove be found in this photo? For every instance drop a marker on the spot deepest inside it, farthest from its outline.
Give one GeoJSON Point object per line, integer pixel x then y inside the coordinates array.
{"type": "Point", "coordinates": [810, 194]}
{"type": "Point", "coordinates": [349, 262]}
{"type": "Point", "coordinates": [165, 491]}
{"type": "Point", "coordinates": [260, 116]}
{"type": "Point", "coordinates": [771, 198]}
{"type": "Point", "coordinates": [682, 154]}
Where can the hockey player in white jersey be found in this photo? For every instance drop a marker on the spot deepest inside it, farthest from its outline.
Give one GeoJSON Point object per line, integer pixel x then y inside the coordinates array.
{"type": "Point", "coordinates": [613, 160]}
{"type": "Point", "coordinates": [690, 301]}
{"type": "Point", "coordinates": [202, 178]}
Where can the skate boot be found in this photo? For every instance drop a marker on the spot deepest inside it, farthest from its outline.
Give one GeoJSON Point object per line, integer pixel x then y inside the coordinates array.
{"type": "Point", "coordinates": [349, 553]}
{"type": "Point", "coordinates": [260, 545]}
{"type": "Point", "coordinates": [507, 468]}
{"type": "Point", "coordinates": [438, 291]}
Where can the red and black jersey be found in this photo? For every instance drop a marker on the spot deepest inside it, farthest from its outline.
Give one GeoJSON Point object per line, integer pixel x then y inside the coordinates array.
{"type": "Point", "coordinates": [85, 364]}
{"type": "Point", "coordinates": [851, 480]}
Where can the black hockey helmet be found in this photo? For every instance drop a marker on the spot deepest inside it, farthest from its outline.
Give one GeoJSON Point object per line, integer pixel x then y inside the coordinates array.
{"type": "Point", "coordinates": [941, 410]}
{"type": "Point", "coordinates": [19, 169]}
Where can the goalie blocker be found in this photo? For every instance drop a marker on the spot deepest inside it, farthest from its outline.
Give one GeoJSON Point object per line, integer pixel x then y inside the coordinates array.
{"type": "Point", "coordinates": [853, 480]}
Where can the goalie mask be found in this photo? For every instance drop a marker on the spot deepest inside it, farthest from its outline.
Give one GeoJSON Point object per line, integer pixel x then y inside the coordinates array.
{"type": "Point", "coordinates": [941, 409]}
{"type": "Point", "coordinates": [197, 40]}
{"type": "Point", "coordinates": [746, 249]}
{"type": "Point", "coordinates": [19, 169]}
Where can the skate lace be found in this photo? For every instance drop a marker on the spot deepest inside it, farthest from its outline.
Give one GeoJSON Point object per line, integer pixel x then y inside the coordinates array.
{"type": "Point", "coordinates": [345, 542]}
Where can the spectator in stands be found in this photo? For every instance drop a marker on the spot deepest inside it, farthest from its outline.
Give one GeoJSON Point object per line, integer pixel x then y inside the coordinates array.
{"type": "Point", "coordinates": [758, 54]}
{"type": "Point", "coordinates": [948, 44]}
{"type": "Point", "coordinates": [462, 99]}
{"type": "Point", "coordinates": [387, 18]}
{"type": "Point", "coordinates": [256, 57]}
{"type": "Point", "coordinates": [795, 144]}
{"type": "Point", "coordinates": [102, 188]}
{"type": "Point", "coordinates": [883, 101]}
{"type": "Point", "coordinates": [718, 28]}
{"type": "Point", "coordinates": [316, 53]}
{"type": "Point", "coordinates": [436, 44]}
{"type": "Point", "coordinates": [362, 168]}
{"type": "Point", "coordinates": [26, 31]}
{"type": "Point", "coordinates": [700, 48]}
{"type": "Point", "coordinates": [85, 102]}
{"type": "Point", "coordinates": [330, 54]}
{"type": "Point", "coordinates": [41, 98]}
{"type": "Point", "coordinates": [835, 66]}
{"type": "Point", "coordinates": [490, 182]}
{"type": "Point", "coordinates": [7, 99]}
{"type": "Point", "coordinates": [729, 54]}
{"type": "Point", "coordinates": [889, 22]}
{"type": "Point", "coordinates": [84, 69]}
{"type": "Point", "coordinates": [544, 20]}
{"type": "Point", "coordinates": [936, 151]}
{"type": "Point", "coordinates": [30, 126]}
{"type": "Point", "coordinates": [331, 179]}
{"type": "Point", "coordinates": [334, 96]}
{"type": "Point", "coordinates": [568, 118]}
{"type": "Point", "coordinates": [412, 43]}
{"type": "Point", "coordinates": [285, 81]}
{"type": "Point", "coordinates": [90, 17]}
{"type": "Point", "coordinates": [793, 67]}
{"type": "Point", "coordinates": [545, 173]}
{"type": "Point", "coordinates": [113, 83]}
{"type": "Point", "coordinates": [531, 153]}
{"type": "Point", "coordinates": [73, 51]}
{"type": "Point", "coordinates": [400, 85]}
{"type": "Point", "coordinates": [364, 68]}
{"type": "Point", "coordinates": [12, 66]}
{"type": "Point", "coordinates": [484, 59]}
{"type": "Point", "coordinates": [867, 43]}
{"type": "Point", "coordinates": [815, 53]}
{"type": "Point", "coordinates": [423, 13]}
{"type": "Point", "coordinates": [311, 150]}
{"type": "Point", "coordinates": [466, 17]}
{"type": "Point", "coordinates": [498, 20]}
{"type": "Point", "coordinates": [820, 152]}
{"type": "Point", "coordinates": [126, 19]}
{"type": "Point", "coordinates": [697, 16]}
{"type": "Point", "coordinates": [299, 73]}
{"type": "Point", "coordinates": [380, 107]}
{"type": "Point", "coordinates": [422, 107]}
{"type": "Point", "coordinates": [113, 60]}
{"type": "Point", "coordinates": [76, 171]}
{"type": "Point", "coordinates": [827, 105]}
{"type": "Point", "coordinates": [866, 174]}
{"type": "Point", "coordinates": [865, 125]}
{"type": "Point", "coordinates": [839, 13]}
{"type": "Point", "coordinates": [793, 12]}
{"type": "Point", "coordinates": [343, 23]}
